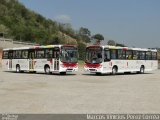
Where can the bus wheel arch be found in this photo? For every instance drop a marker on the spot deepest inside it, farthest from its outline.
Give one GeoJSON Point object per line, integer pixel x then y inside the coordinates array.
{"type": "Point", "coordinates": [18, 68]}
{"type": "Point", "coordinates": [47, 69]}
{"type": "Point", "coordinates": [114, 69]}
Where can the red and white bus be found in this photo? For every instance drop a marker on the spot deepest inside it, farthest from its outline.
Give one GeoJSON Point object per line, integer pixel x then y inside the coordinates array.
{"type": "Point", "coordinates": [50, 58]}
{"type": "Point", "coordinates": [113, 59]}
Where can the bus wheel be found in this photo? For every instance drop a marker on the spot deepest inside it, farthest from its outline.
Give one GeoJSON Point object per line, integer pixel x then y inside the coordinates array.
{"type": "Point", "coordinates": [18, 69]}
{"type": "Point", "coordinates": [142, 69]}
{"type": "Point", "coordinates": [62, 73]}
{"type": "Point", "coordinates": [47, 70]}
{"type": "Point", "coordinates": [114, 70]}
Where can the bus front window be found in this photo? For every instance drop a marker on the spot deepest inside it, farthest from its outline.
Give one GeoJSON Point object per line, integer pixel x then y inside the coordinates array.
{"type": "Point", "coordinates": [94, 55]}
{"type": "Point", "coordinates": [69, 54]}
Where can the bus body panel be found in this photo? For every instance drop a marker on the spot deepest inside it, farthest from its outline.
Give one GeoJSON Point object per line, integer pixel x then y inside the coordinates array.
{"type": "Point", "coordinates": [5, 64]}
{"type": "Point", "coordinates": [23, 63]}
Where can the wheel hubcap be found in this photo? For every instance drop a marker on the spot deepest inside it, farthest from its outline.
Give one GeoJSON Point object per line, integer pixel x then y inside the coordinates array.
{"type": "Point", "coordinates": [47, 70]}
{"type": "Point", "coordinates": [114, 70]}
{"type": "Point", "coordinates": [142, 70]}
{"type": "Point", "coordinates": [18, 69]}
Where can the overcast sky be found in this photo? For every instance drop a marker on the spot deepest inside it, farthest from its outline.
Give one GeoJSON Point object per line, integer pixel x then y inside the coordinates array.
{"type": "Point", "coordinates": [132, 22]}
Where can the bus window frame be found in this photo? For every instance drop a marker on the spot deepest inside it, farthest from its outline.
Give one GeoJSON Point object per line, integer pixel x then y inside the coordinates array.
{"type": "Point", "coordinates": [156, 57]}
{"type": "Point", "coordinates": [129, 57]}
{"type": "Point", "coordinates": [146, 57]}
{"type": "Point", "coordinates": [15, 55]}
{"type": "Point", "coordinates": [124, 57]}
{"type": "Point", "coordinates": [103, 52]}
{"type": "Point", "coordinates": [139, 55]}
{"type": "Point", "coordinates": [116, 54]}
{"type": "Point", "coordinates": [36, 53]}
{"type": "Point", "coordinates": [27, 53]}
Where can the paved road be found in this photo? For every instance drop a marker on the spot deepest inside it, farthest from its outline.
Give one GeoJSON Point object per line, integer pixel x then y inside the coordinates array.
{"type": "Point", "coordinates": [79, 93]}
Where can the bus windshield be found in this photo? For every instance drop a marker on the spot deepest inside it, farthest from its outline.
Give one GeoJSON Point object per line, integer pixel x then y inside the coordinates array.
{"type": "Point", "coordinates": [69, 54]}
{"type": "Point", "coordinates": [94, 55]}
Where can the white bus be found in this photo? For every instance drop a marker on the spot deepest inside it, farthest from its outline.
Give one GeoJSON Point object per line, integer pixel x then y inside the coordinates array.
{"type": "Point", "coordinates": [113, 59]}
{"type": "Point", "coordinates": [48, 59]}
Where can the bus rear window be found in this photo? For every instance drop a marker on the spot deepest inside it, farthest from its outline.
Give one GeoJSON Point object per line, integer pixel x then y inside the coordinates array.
{"type": "Point", "coordinates": [154, 56]}
{"type": "Point", "coordinates": [5, 55]}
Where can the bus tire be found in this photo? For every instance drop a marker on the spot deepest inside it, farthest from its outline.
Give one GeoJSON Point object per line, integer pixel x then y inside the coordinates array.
{"type": "Point", "coordinates": [142, 69]}
{"type": "Point", "coordinates": [62, 73]}
{"type": "Point", "coordinates": [18, 69]}
{"type": "Point", "coordinates": [47, 69]}
{"type": "Point", "coordinates": [114, 70]}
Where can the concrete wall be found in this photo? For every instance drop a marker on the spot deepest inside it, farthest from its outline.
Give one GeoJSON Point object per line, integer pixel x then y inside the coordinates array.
{"type": "Point", "coordinates": [9, 43]}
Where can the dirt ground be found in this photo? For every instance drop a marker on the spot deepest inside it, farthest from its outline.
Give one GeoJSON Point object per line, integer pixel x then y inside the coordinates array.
{"type": "Point", "coordinates": [79, 93]}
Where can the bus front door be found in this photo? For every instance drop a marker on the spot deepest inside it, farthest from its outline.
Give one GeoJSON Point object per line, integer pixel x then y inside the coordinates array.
{"type": "Point", "coordinates": [10, 60]}
{"type": "Point", "coordinates": [56, 60]}
{"type": "Point", "coordinates": [31, 60]}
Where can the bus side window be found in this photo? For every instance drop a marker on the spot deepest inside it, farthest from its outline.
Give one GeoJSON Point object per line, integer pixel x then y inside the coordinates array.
{"type": "Point", "coordinates": [148, 55]}
{"type": "Point", "coordinates": [141, 55]}
{"type": "Point", "coordinates": [129, 55]}
{"type": "Point", "coordinates": [5, 55]}
{"type": "Point", "coordinates": [154, 56]}
{"type": "Point", "coordinates": [113, 54]}
{"type": "Point", "coordinates": [121, 54]}
{"type": "Point", "coordinates": [40, 53]}
{"type": "Point", "coordinates": [17, 54]}
{"type": "Point", "coordinates": [135, 55]}
{"type": "Point", "coordinates": [107, 56]}
{"type": "Point", "coordinates": [25, 54]}
{"type": "Point", "coordinates": [48, 53]}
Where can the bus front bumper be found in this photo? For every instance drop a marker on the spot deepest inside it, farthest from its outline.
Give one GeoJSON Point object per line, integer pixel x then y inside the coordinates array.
{"type": "Point", "coordinates": [93, 70]}
{"type": "Point", "coordinates": [69, 70]}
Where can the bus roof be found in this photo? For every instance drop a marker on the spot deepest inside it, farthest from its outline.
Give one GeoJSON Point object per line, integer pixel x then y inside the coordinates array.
{"type": "Point", "coordinates": [37, 47]}
{"type": "Point", "coordinates": [124, 48]}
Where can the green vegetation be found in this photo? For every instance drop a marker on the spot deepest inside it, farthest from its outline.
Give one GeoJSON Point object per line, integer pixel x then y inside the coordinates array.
{"type": "Point", "coordinates": [81, 63]}
{"type": "Point", "coordinates": [98, 38]}
{"type": "Point", "coordinates": [19, 23]}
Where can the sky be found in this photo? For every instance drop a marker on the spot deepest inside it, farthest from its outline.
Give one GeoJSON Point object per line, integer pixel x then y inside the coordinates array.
{"type": "Point", "coordinates": [130, 22]}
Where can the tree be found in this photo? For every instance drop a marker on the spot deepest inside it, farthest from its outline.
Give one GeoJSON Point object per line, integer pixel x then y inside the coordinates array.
{"type": "Point", "coordinates": [81, 50]}
{"type": "Point", "coordinates": [84, 34]}
{"type": "Point", "coordinates": [98, 38]}
{"type": "Point", "coordinates": [84, 31]}
{"type": "Point", "coordinates": [111, 42]}
{"type": "Point", "coordinates": [3, 30]}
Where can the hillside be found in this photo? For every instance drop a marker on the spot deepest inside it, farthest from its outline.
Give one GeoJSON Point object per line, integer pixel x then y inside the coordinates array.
{"type": "Point", "coordinates": [20, 23]}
